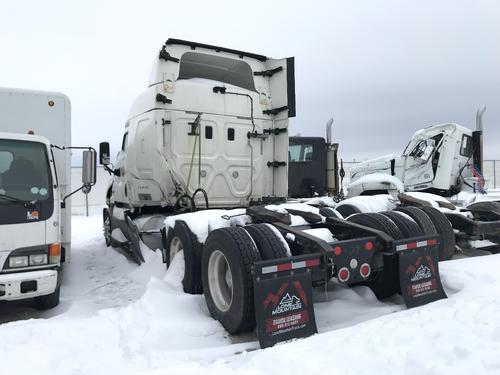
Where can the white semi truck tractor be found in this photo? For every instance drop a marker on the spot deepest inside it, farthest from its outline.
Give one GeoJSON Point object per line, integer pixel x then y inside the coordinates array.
{"type": "Point", "coordinates": [203, 174]}
{"type": "Point", "coordinates": [35, 217]}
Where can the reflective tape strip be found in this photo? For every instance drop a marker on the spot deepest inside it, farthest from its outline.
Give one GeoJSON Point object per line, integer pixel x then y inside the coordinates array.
{"type": "Point", "coordinates": [269, 269]}
{"type": "Point", "coordinates": [291, 266]}
{"type": "Point", "coordinates": [415, 245]}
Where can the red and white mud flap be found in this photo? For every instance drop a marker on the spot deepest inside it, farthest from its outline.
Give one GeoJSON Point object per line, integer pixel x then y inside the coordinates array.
{"type": "Point", "coordinates": [283, 299]}
{"type": "Point", "coordinates": [418, 270]}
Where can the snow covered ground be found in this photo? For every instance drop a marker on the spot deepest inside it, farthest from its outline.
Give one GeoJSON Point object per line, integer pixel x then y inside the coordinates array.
{"type": "Point", "coordinates": [118, 318]}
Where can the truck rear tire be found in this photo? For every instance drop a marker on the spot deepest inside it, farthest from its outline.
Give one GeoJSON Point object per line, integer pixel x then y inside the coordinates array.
{"type": "Point", "coordinates": [330, 212]}
{"type": "Point", "coordinates": [444, 228]}
{"type": "Point", "coordinates": [347, 209]}
{"type": "Point", "coordinates": [180, 237]}
{"type": "Point", "coordinates": [48, 301]}
{"type": "Point", "coordinates": [228, 256]}
{"type": "Point", "coordinates": [420, 217]}
{"type": "Point", "coordinates": [384, 283]}
{"type": "Point", "coordinates": [406, 224]}
{"type": "Point", "coordinates": [379, 222]}
{"type": "Point", "coordinates": [268, 244]}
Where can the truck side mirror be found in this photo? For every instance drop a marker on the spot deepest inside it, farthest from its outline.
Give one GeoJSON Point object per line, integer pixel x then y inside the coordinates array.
{"type": "Point", "coordinates": [89, 168]}
{"type": "Point", "coordinates": [104, 153]}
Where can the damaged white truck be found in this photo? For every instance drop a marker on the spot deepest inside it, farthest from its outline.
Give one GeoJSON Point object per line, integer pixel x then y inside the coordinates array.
{"type": "Point", "coordinates": [439, 159]}
{"type": "Point", "coordinates": [203, 172]}
{"type": "Point", "coordinates": [35, 217]}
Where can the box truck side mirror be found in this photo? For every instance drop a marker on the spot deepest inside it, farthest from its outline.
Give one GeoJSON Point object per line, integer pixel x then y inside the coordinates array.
{"type": "Point", "coordinates": [104, 153]}
{"type": "Point", "coordinates": [89, 168]}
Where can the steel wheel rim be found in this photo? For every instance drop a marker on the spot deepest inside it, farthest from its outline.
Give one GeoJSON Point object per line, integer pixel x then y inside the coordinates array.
{"type": "Point", "coordinates": [220, 281]}
{"type": "Point", "coordinates": [175, 247]}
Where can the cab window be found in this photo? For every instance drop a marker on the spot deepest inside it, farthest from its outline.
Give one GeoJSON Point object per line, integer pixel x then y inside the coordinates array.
{"type": "Point", "coordinates": [300, 153]}
{"type": "Point", "coordinates": [124, 141]}
{"type": "Point", "coordinates": [216, 68]}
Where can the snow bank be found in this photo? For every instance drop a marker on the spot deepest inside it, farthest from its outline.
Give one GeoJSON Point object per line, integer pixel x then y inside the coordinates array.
{"type": "Point", "coordinates": [116, 319]}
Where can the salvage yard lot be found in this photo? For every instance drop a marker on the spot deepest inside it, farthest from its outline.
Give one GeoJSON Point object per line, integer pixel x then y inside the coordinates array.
{"type": "Point", "coordinates": [118, 318]}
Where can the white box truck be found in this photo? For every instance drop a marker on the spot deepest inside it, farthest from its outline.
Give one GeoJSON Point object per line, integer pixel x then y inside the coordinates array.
{"type": "Point", "coordinates": [35, 220]}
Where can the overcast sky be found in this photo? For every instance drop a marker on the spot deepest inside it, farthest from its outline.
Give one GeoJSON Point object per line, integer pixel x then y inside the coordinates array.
{"type": "Point", "coordinates": [381, 68]}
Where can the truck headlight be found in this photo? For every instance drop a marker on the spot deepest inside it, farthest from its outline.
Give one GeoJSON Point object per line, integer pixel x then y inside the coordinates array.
{"type": "Point", "coordinates": [15, 262]}
{"type": "Point", "coordinates": [38, 259]}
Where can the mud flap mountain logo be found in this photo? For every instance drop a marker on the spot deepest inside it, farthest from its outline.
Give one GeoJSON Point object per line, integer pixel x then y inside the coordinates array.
{"type": "Point", "coordinates": [419, 273]}
{"type": "Point", "coordinates": [422, 272]}
{"type": "Point", "coordinates": [283, 308]}
{"type": "Point", "coordinates": [287, 303]}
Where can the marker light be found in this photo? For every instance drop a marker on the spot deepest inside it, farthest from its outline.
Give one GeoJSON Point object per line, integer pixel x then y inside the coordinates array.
{"type": "Point", "coordinates": [337, 250]}
{"type": "Point", "coordinates": [369, 246]}
{"type": "Point", "coordinates": [54, 253]}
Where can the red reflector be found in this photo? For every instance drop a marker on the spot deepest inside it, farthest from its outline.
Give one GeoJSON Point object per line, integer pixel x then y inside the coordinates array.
{"type": "Point", "coordinates": [343, 274]}
{"type": "Point", "coordinates": [312, 263]}
{"type": "Point", "coordinates": [432, 242]}
{"type": "Point", "coordinates": [365, 270]}
{"type": "Point", "coordinates": [284, 267]}
{"type": "Point", "coordinates": [369, 246]}
{"type": "Point", "coordinates": [337, 250]}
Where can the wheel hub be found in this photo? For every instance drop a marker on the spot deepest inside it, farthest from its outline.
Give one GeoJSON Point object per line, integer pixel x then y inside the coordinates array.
{"type": "Point", "coordinates": [220, 281]}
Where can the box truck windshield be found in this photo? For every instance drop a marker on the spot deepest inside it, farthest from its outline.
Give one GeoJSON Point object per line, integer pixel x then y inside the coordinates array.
{"type": "Point", "coordinates": [24, 172]}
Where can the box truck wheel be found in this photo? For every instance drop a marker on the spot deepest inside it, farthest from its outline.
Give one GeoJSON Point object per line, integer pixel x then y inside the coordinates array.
{"type": "Point", "coordinates": [228, 255]}
{"type": "Point", "coordinates": [267, 241]}
{"type": "Point", "coordinates": [48, 301]}
{"type": "Point", "coordinates": [181, 238]}
{"type": "Point", "coordinates": [384, 283]}
{"type": "Point", "coordinates": [444, 228]}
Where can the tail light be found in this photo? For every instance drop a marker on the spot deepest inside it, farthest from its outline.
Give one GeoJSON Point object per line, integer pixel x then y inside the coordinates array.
{"type": "Point", "coordinates": [343, 274]}
{"type": "Point", "coordinates": [365, 270]}
{"type": "Point", "coordinates": [369, 246]}
{"type": "Point", "coordinates": [54, 253]}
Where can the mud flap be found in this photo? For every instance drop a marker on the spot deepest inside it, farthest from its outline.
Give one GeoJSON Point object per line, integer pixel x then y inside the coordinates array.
{"type": "Point", "coordinates": [419, 271]}
{"type": "Point", "coordinates": [283, 299]}
{"type": "Point", "coordinates": [135, 240]}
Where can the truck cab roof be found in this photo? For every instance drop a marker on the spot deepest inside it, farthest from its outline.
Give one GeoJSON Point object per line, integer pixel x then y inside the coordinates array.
{"type": "Point", "coordinates": [25, 137]}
